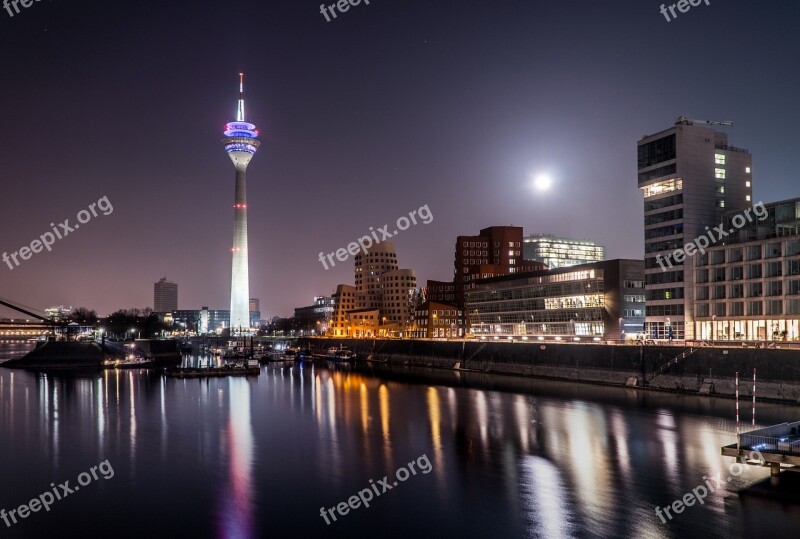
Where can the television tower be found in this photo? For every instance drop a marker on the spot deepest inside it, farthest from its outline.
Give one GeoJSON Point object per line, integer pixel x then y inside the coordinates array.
{"type": "Point", "coordinates": [241, 142]}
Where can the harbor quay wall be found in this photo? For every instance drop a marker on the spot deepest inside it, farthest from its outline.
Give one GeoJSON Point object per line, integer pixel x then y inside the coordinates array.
{"type": "Point", "coordinates": [73, 355]}
{"type": "Point", "coordinates": [50, 355]}
{"type": "Point", "coordinates": [778, 369]}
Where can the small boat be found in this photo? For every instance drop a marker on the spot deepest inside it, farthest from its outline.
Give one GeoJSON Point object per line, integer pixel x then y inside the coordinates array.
{"type": "Point", "coordinates": [341, 354]}
{"type": "Point", "coordinates": [290, 352]}
{"type": "Point", "coordinates": [136, 364]}
{"type": "Point", "coordinates": [129, 363]}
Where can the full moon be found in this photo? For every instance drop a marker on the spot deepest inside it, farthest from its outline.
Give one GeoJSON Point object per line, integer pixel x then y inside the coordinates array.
{"type": "Point", "coordinates": [542, 182]}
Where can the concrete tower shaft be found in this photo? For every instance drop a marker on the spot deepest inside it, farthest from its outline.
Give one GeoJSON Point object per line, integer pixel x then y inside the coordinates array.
{"type": "Point", "coordinates": [241, 144]}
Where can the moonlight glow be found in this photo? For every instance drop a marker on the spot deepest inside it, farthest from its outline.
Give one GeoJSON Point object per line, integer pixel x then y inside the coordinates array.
{"type": "Point", "coordinates": [542, 182]}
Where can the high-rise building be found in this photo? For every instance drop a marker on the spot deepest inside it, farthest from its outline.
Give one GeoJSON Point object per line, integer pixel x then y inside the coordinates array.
{"type": "Point", "coordinates": [255, 305]}
{"type": "Point", "coordinates": [561, 252]}
{"type": "Point", "coordinates": [689, 176]}
{"type": "Point", "coordinates": [381, 302]}
{"type": "Point", "coordinates": [241, 143]}
{"type": "Point", "coordinates": [379, 259]}
{"type": "Point", "coordinates": [165, 296]}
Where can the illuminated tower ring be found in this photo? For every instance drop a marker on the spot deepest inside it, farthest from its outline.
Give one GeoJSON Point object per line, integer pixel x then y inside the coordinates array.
{"type": "Point", "coordinates": [241, 143]}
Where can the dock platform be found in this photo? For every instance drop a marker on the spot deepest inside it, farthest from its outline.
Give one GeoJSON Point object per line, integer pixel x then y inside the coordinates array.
{"type": "Point", "coordinates": [776, 447]}
{"type": "Point", "coordinates": [212, 372]}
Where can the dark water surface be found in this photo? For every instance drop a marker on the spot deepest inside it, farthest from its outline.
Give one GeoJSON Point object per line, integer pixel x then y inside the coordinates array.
{"type": "Point", "coordinates": [259, 457]}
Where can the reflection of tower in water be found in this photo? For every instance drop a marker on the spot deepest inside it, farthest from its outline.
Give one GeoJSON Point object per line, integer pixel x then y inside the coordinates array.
{"type": "Point", "coordinates": [236, 505]}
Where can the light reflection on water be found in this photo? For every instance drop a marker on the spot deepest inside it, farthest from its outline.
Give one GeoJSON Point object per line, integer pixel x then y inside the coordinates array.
{"type": "Point", "coordinates": [259, 456]}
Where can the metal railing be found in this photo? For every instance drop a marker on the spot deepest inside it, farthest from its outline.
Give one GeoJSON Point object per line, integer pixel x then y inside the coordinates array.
{"type": "Point", "coordinates": [784, 444]}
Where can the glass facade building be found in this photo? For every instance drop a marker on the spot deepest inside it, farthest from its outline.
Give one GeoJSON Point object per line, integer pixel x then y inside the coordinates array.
{"type": "Point", "coordinates": [603, 300]}
{"type": "Point", "coordinates": [689, 177]}
{"type": "Point", "coordinates": [748, 288]}
{"type": "Point", "coordinates": [561, 252]}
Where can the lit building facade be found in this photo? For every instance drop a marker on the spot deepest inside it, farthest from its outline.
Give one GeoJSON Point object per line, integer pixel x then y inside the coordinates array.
{"type": "Point", "coordinates": [344, 301]}
{"type": "Point", "coordinates": [58, 314]}
{"type": "Point", "coordinates": [397, 300]}
{"type": "Point", "coordinates": [603, 300]}
{"type": "Point", "coordinates": [165, 296]}
{"type": "Point", "coordinates": [556, 252]}
{"type": "Point", "coordinates": [438, 320]}
{"type": "Point", "coordinates": [379, 286]}
{"type": "Point", "coordinates": [748, 288]}
{"type": "Point", "coordinates": [440, 291]}
{"type": "Point", "coordinates": [241, 143]}
{"type": "Point", "coordinates": [316, 317]}
{"type": "Point", "coordinates": [689, 177]}
{"type": "Point", "coordinates": [496, 251]}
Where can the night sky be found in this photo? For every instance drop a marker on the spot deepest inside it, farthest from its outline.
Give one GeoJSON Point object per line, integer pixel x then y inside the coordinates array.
{"type": "Point", "coordinates": [391, 106]}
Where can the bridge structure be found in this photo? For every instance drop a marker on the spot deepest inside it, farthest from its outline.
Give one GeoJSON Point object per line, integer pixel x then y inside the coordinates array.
{"type": "Point", "coordinates": [35, 324]}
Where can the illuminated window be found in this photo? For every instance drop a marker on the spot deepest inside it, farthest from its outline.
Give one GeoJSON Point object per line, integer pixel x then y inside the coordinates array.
{"type": "Point", "coordinates": [719, 173]}
{"type": "Point", "coordinates": [747, 184]}
{"type": "Point", "coordinates": [747, 198]}
{"type": "Point", "coordinates": [747, 170]}
{"type": "Point", "coordinates": [659, 188]}
{"type": "Point", "coordinates": [721, 203]}
{"type": "Point", "coordinates": [719, 159]}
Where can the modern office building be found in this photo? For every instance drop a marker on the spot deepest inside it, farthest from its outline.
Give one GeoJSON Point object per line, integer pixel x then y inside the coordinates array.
{"type": "Point", "coordinates": [556, 252]}
{"type": "Point", "coordinates": [241, 143]}
{"type": "Point", "coordinates": [207, 320]}
{"type": "Point", "coordinates": [438, 320]}
{"type": "Point", "coordinates": [689, 176]}
{"type": "Point", "coordinates": [603, 300]}
{"type": "Point", "coordinates": [165, 296]}
{"type": "Point", "coordinates": [58, 314]}
{"type": "Point", "coordinates": [380, 286]}
{"type": "Point", "coordinates": [317, 316]}
{"type": "Point", "coordinates": [747, 288]}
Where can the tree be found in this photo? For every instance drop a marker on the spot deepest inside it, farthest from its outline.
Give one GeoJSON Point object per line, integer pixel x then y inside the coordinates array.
{"type": "Point", "coordinates": [83, 316]}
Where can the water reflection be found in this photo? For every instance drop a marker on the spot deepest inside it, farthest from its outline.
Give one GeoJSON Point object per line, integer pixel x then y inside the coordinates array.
{"type": "Point", "coordinates": [236, 513]}
{"type": "Point", "coordinates": [258, 456]}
